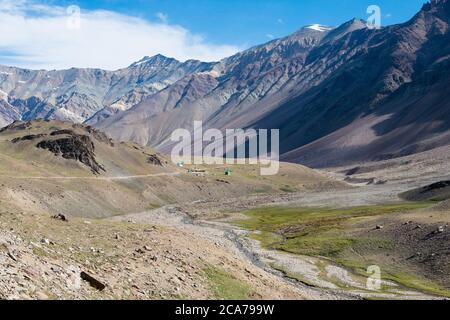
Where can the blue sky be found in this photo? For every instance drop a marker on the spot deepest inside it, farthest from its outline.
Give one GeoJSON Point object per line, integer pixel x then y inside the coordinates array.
{"type": "Point", "coordinates": [114, 33]}
{"type": "Point", "coordinates": [247, 22]}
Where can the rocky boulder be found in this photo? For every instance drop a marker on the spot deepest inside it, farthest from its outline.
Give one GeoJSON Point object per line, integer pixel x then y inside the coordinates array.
{"type": "Point", "coordinates": [73, 146]}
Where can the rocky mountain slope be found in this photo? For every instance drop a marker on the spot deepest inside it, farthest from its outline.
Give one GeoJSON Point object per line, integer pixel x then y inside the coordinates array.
{"type": "Point", "coordinates": [388, 101]}
{"type": "Point", "coordinates": [337, 95]}
{"type": "Point", "coordinates": [78, 94]}
{"type": "Point", "coordinates": [227, 93]}
{"type": "Point", "coordinates": [43, 258]}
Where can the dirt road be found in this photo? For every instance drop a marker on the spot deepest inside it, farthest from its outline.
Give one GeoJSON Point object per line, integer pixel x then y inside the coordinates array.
{"type": "Point", "coordinates": [164, 174]}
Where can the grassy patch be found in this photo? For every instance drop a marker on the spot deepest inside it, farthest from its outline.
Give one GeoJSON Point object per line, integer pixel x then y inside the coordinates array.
{"type": "Point", "coordinates": [263, 189]}
{"type": "Point", "coordinates": [40, 252]}
{"type": "Point", "coordinates": [327, 232]}
{"type": "Point", "coordinates": [288, 189]}
{"type": "Point", "coordinates": [153, 206]}
{"type": "Point", "coordinates": [266, 238]}
{"type": "Point", "coordinates": [389, 273]}
{"type": "Point", "coordinates": [316, 246]}
{"type": "Point", "coordinates": [315, 231]}
{"type": "Point", "coordinates": [225, 285]}
{"type": "Point", "coordinates": [417, 283]}
{"type": "Point", "coordinates": [273, 219]}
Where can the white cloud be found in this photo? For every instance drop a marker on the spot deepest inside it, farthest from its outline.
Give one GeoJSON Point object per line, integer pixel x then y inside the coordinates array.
{"type": "Point", "coordinates": [164, 18]}
{"type": "Point", "coordinates": [35, 35]}
{"type": "Point", "coordinates": [270, 36]}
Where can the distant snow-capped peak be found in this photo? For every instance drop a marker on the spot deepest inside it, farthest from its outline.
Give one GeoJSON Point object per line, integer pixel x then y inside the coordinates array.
{"type": "Point", "coordinates": [319, 27]}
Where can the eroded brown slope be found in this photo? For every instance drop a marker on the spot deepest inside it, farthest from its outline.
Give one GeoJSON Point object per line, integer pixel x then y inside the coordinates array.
{"type": "Point", "coordinates": [129, 178]}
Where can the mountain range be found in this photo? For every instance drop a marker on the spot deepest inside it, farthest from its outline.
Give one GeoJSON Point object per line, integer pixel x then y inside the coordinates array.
{"type": "Point", "coordinates": [338, 95]}
{"type": "Point", "coordinates": [78, 94]}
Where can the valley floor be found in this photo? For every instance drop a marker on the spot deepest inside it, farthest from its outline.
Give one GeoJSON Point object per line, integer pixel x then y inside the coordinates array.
{"type": "Point", "coordinates": [314, 273]}
{"type": "Point", "coordinates": [204, 250]}
{"type": "Point", "coordinates": [324, 241]}
{"type": "Point", "coordinates": [299, 235]}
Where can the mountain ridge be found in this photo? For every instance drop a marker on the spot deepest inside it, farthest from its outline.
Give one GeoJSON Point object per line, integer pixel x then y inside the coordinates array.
{"type": "Point", "coordinates": [337, 94]}
{"type": "Point", "coordinates": [76, 94]}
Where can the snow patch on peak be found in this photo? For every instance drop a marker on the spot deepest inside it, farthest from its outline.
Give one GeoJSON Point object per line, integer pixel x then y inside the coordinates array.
{"type": "Point", "coordinates": [319, 27]}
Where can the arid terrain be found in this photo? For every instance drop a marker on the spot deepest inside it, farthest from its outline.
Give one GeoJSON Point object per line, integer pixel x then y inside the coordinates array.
{"type": "Point", "coordinates": [92, 205]}
{"type": "Point", "coordinates": [86, 217]}
{"type": "Point", "coordinates": [55, 171]}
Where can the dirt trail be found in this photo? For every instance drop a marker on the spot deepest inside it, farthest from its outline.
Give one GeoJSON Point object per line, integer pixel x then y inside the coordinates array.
{"type": "Point", "coordinates": [164, 174]}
